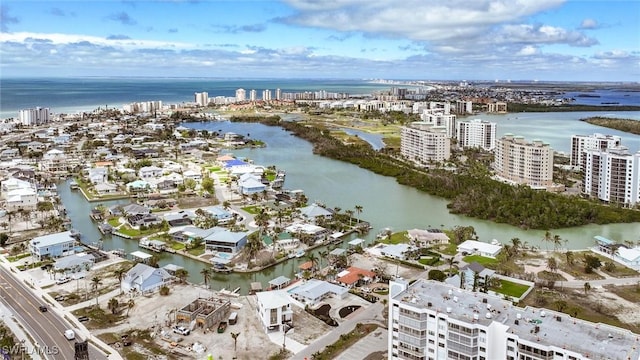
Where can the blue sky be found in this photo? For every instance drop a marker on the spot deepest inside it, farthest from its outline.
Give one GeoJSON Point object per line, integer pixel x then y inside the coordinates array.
{"type": "Point", "coordinates": [409, 39]}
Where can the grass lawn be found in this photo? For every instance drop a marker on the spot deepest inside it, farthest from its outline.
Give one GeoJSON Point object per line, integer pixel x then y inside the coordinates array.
{"type": "Point", "coordinates": [628, 292]}
{"type": "Point", "coordinates": [396, 238]}
{"type": "Point", "coordinates": [115, 222]}
{"type": "Point", "coordinates": [484, 261]}
{"type": "Point", "coordinates": [197, 251]}
{"type": "Point", "coordinates": [448, 249]}
{"type": "Point", "coordinates": [511, 289]}
{"type": "Point", "coordinates": [251, 209]}
{"type": "Point", "coordinates": [99, 319]}
{"type": "Point", "coordinates": [176, 245]}
{"type": "Point", "coordinates": [17, 257]}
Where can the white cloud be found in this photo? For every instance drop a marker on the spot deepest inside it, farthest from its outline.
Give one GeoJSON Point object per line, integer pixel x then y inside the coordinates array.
{"type": "Point", "coordinates": [528, 50]}
{"type": "Point", "coordinates": [588, 24]}
{"type": "Point", "coordinates": [62, 39]}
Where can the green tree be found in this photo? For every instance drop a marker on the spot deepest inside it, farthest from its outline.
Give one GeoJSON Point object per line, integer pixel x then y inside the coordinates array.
{"type": "Point", "coordinates": [437, 275]}
{"type": "Point", "coordinates": [234, 336]}
{"type": "Point", "coordinates": [358, 211]}
{"type": "Point", "coordinates": [95, 282]}
{"type": "Point", "coordinates": [552, 264]}
{"type": "Point", "coordinates": [119, 274]}
{"type": "Point", "coordinates": [586, 287]}
{"type": "Point", "coordinates": [3, 239]}
{"type": "Point", "coordinates": [130, 305]}
{"type": "Point", "coordinates": [113, 305]}
{"type": "Point", "coordinates": [570, 257]}
{"type": "Point", "coordinates": [182, 275]}
{"type": "Point", "coordinates": [206, 275]}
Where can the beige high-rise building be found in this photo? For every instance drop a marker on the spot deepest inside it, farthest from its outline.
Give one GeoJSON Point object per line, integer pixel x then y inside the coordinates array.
{"type": "Point", "coordinates": [522, 162]}
{"type": "Point", "coordinates": [424, 143]}
{"type": "Point", "coordinates": [202, 98]}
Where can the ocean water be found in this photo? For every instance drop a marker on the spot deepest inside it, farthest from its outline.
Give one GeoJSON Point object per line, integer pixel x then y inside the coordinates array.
{"type": "Point", "coordinates": [71, 95]}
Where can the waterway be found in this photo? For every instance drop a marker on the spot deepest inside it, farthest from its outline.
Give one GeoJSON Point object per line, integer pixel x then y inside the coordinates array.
{"type": "Point", "coordinates": [78, 210]}
{"type": "Point", "coordinates": [385, 202]}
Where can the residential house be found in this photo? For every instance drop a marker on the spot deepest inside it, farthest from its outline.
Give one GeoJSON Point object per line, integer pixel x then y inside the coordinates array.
{"type": "Point", "coordinates": [396, 251]}
{"type": "Point", "coordinates": [54, 161]}
{"type": "Point", "coordinates": [249, 184]}
{"type": "Point", "coordinates": [74, 263]}
{"type": "Point", "coordinates": [135, 209]}
{"type": "Point", "coordinates": [355, 276]}
{"type": "Point", "coordinates": [179, 218]}
{"type": "Point", "coordinates": [143, 220]}
{"type": "Point", "coordinates": [315, 211]}
{"type": "Point", "coordinates": [310, 230]}
{"type": "Point", "coordinates": [106, 189]}
{"type": "Point", "coordinates": [52, 245]}
{"type": "Point", "coordinates": [21, 199]}
{"type": "Point", "coordinates": [225, 241]}
{"type": "Point", "coordinates": [628, 257]}
{"type": "Point", "coordinates": [428, 237]}
{"type": "Point", "coordinates": [144, 278]}
{"type": "Point", "coordinates": [9, 154]}
{"type": "Point", "coordinates": [150, 172]}
{"type": "Point", "coordinates": [274, 309]}
{"type": "Point", "coordinates": [479, 248]}
{"type": "Point", "coordinates": [98, 175]}
{"type": "Point", "coordinates": [314, 291]}
{"type": "Point", "coordinates": [475, 276]}
{"type": "Point", "coordinates": [138, 186]}
{"type": "Point", "coordinates": [193, 175]}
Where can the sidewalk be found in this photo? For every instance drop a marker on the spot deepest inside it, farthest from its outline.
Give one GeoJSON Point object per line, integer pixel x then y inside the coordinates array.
{"type": "Point", "coordinates": [11, 322]}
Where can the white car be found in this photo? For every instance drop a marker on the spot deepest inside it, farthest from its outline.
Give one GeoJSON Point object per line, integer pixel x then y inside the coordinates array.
{"type": "Point", "coordinates": [63, 280]}
{"type": "Point", "coordinates": [181, 330]}
{"type": "Point", "coordinates": [69, 334]}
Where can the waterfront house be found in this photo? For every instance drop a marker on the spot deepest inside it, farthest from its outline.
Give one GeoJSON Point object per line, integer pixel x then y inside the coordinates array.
{"type": "Point", "coordinates": [9, 154]}
{"type": "Point", "coordinates": [52, 245]}
{"type": "Point", "coordinates": [106, 189]}
{"type": "Point", "coordinates": [98, 175]}
{"type": "Point", "coordinates": [14, 183]}
{"type": "Point", "coordinates": [628, 257]}
{"type": "Point", "coordinates": [135, 209]}
{"type": "Point", "coordinates": [143, 220]}
{"type": "Point", "coordinates": [74, 263]}
{"type": "Point", "coordinates": [605, 245]}
{"type": "Point", "coordinates": [427, 237]}
{"type": "Point", "coordinates": [274, 309]}
{"type": "Point", "coordinates": [138, 186]}
{"type": "Point", "coordinates": [145, 278]}
{"type": "Point", "coordinates": [314, 231]}
{"type": "Point", "coordinates": [225, 241]}
{"type": "Point", "coordinates": [314, 291]}
{"type": "Point", "coordinates": [355, 276]}
{"type": "Point", "coordinates": [250, 184]}
{"type": "Point", "coordinates": [179, 218]}
{"type": "Point", "coordinates": [314, 212]}
{"type": "Point", "coordinates": [473, 247]}
{"type": "Point", "coordinates": [54, 161]}
{"type": "Point", "coordinates": [396, 251]}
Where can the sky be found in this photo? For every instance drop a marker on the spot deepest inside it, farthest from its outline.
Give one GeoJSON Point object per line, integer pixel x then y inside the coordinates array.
{"type": "Point", "coordinates": [563, 40]}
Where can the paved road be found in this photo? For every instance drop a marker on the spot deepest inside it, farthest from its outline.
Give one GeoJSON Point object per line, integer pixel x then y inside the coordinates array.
{"type": "Point", "coordinates": [371, 313]}
{"type": "Point", "coordinates": [46, 328]}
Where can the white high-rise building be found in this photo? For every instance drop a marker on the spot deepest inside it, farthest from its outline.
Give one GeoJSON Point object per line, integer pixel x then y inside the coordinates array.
{"type": "Point", "coordinates": [202, 99]}
{"type": "Point", "coordinates": [37, 116]}
{"type": "Point", "coordinates": [424, 143]}
{"type": "Point", "coordinates": [253, 95]}
{"type": "Point", "coordinates": [522, 162]}
{"type": "Point", "coordinates": [439, 118]}
{"type": "Point", "coordinates": [266, 95]}
{"type": "Point", "coordinates": [464, 107]}
{"type": "Point", "coordinates": [612, 175]}
{"type": "Point", "coordinates": [476, 133]}
{"type": "Point", "coordinates": [278, 94]}
{"type": "Point", "coordinates": [430, 320]}
{"type": "Point", "coordinates": [582, 143]}
{"type": "Point", "coordinates": [241, 95]}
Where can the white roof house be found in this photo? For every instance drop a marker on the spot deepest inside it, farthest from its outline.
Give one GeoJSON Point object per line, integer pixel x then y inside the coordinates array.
{"type": "Point", "coordinates": [628, 257]}
{"type": "Point", "coordinates": [274, 309]}
{"type": "Point", "coordinates": [314, 291]}
{"type": "Point", "coordinates": [479, 248]}
{"type": "Point", "coordinates": [52, 245]}
{"type": "Point", "coordinates": [145, 278]}
{"type": "Point", "coordinates": [25, 198]}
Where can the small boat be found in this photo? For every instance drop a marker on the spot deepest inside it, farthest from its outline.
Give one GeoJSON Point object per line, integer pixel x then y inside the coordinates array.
{"type": "Point", "coordinates": [73, 185]}
{"type": "Point", "coordinates": [75, 234]}
{"type": "Point", "coordinates": [300, 253]}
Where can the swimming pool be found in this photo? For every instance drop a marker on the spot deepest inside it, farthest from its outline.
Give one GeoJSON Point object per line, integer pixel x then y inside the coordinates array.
{"type": "Point", "coordinates": [223, 255]}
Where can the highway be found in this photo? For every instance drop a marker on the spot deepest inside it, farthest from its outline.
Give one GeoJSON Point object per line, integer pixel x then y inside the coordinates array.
{"type": "Point", "coordinates": [46, 328]}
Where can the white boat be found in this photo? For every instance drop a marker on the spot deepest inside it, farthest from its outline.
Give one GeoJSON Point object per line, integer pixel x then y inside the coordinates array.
{"type": "Point", "coordinates": [300, 253]}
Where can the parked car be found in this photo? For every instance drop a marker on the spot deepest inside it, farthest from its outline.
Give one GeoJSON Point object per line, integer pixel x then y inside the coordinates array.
{"type": "Point", "coordinates": [125, 340]}
{"type": "Point", "coordinates": [43, 308]}
{"type": "Point", "coordinates": [181, 330]}
{"type": "Point", "coordinates": [222, 327]}
{"type": "Point", "coordinates": [83, 318]}
{"type": "Point", "coordinates": [63, 280]}
{"type": "Point", "coordinates": [60, 298]}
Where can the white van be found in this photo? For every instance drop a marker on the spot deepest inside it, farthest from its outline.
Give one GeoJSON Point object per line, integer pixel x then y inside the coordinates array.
{"type": "Point", "coordinates": [69, 334]}
{"type": "Point", "coordinates": [233, 318]}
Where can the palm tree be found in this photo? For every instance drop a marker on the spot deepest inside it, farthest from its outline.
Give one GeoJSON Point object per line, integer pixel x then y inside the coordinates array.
{"type": "Point", "coordinates": [113, 305]}
{"type": "Point", "coordinates": [452, 262]}
{"type": "Point", "coordinates": [516, 244]}
{"type": "Point", "coordinates": [358, 211]}
{"type": "Point", "coordinates": [552, 264]}
{"type": "Point", "coordinates": [182, 274]}
{"type": "Point", "coordinates": [119, 274]}
{"type": "Point", "coordinates": [587, 287]}
{"type": "Point", "coordinates": [350, 213]}
{"type": "Point", "coordinates": [323, 255]}
{"type": "Point", "coordinates": [130, 305]}
{"type": "Point", "coordinates": [235, 341]}
{"type": "Point", "coordinates": [547, 238]}
{"type": "Point", "coordinates": [311, 257]}
{"type": "Point", "coordinates": [95, 282]}
{"type": "Point", "coordinates": [206, 274]}
{"type": "Point", "coordinates": [569, 256]}
{"type": "Point", "coordinates": [557, 242]}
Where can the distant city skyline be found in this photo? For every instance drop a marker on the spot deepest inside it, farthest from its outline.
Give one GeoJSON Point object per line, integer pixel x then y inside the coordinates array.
{"type": "Point", "coordinates": [413, 39]}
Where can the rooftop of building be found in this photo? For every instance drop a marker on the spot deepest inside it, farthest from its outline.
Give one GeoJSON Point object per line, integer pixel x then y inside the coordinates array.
{"type": "Point", "coordinates": [596, 340]}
